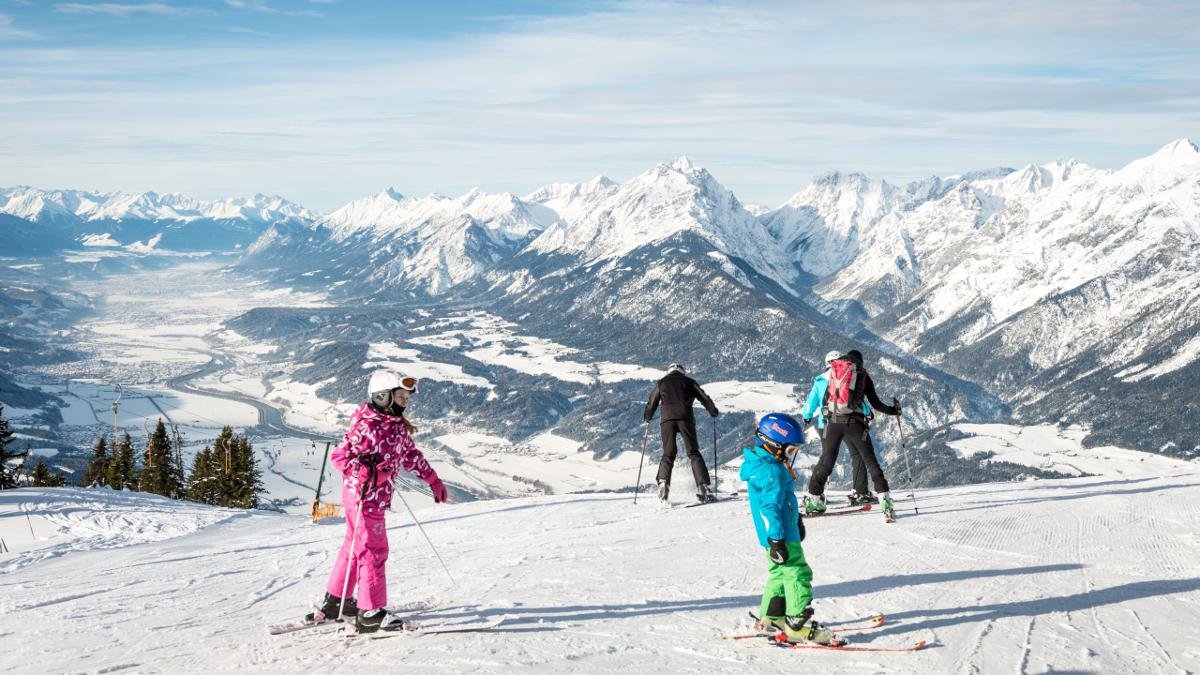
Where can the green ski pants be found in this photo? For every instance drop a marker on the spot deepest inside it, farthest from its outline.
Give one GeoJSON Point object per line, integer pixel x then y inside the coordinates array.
{"type": "Point", "coordinates": [791, 581]}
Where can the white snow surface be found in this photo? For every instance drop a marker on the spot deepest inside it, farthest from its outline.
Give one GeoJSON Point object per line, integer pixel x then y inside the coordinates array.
{"type": "Point", "coordinates": [1087, 575]}
{"type": "Point", "coordinates": [1059, 449]}
{"type": "Point", "coordinates": [490, 339]}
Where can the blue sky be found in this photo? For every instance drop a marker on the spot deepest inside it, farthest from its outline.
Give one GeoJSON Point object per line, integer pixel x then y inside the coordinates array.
{"type": "Point", "coordinates": [324, 102]}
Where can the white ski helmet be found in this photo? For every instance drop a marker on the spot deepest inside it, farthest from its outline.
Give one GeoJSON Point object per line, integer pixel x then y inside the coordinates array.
{"type": "Point", "coordinates": [675, 367]}
{"type": "Point", "coordinates": [382, 382]}
{"type": "Point", "coordinates": [833, 356]}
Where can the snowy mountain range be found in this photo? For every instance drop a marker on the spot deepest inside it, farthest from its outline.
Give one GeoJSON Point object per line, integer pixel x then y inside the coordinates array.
{"type": "Point", "coordinates": [1055, 293]}
{"type": "Point", "coordinates": [48, 220]}
{"type": "Point", "coordinates": [1051, 281]}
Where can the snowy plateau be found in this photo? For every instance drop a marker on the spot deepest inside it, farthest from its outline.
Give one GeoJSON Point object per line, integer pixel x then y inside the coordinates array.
{"type": "Point", "coordinates": [1041, 327]}
{"type": "Point", "coordinates": [1094, 575]}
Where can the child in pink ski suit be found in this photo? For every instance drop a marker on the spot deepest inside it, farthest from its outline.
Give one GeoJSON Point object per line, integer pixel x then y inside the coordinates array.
{"type": "Point", "coordinates": [375, 448]}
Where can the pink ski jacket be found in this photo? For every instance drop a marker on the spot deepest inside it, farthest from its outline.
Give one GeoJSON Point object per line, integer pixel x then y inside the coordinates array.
{"type": "Point", "coordinates": [382, 440]}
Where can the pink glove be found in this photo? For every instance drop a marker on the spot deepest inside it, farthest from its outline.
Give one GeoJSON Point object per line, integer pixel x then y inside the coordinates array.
{"type": "Point", "coordinates": [439, 491]}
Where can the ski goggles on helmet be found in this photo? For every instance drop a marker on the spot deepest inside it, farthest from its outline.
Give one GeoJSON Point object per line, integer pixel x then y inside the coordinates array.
{"type": "Point", "coordinates": [408, 384]}
{"type": "Point", "coordinates": [779, 450]}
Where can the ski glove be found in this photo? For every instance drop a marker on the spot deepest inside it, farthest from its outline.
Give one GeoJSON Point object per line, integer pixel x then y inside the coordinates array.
{"type": "Point", "coordinates": [779, 552]}
{"type": "Point", "coordinates": [439, 491]}
{"type": "Point", "coordinates": [896, 405]}
{"type": "Point", "coordinates": [800, 522]}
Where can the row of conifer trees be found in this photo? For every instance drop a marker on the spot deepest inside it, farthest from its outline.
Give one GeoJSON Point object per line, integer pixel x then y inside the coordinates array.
{"type": "Point", "coordinates": [225, 473]}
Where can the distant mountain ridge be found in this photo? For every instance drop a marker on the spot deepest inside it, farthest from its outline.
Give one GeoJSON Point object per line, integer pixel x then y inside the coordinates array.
{"type": "Point", "coordinates": [1055, 292]}
{"type": "Point", "coordinates": [121, 219]}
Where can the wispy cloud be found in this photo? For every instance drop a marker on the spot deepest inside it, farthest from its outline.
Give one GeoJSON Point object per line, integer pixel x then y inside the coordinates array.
{"type": "Point", "coordinates": [8, 30]}
{"type": "Point", "coordinates": [262, 6]}
{"type": "Point", "coordinates": [119, 9]}
{"type": "Point", "coordinates": [249, 31]}
{"type": "Point", "coordinates": [761, 94]}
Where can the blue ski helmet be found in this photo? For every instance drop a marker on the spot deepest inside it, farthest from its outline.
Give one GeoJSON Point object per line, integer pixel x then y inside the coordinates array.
{"type": "Point", "coordinates": [780, 429]}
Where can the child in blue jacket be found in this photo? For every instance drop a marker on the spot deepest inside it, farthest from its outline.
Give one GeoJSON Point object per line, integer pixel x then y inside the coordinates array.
{"type": "Point", "coordinates": [767, 468]}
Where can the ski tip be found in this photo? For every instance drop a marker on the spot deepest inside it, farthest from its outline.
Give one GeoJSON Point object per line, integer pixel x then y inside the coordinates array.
{"type": "Point", "coordinates": [866, 507]}
{"type": "Point", "coordinates": [919, 645]}
{"type": "Point", "coordinates": [878, 619]}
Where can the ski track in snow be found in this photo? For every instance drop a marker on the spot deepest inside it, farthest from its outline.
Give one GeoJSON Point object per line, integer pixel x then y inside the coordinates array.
{"type": "Point", "coordinates": [1089, 574]}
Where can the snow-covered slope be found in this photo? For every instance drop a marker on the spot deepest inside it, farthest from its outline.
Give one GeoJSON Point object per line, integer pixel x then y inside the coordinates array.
{"type": "Point", "coordinates": [1086, 575]}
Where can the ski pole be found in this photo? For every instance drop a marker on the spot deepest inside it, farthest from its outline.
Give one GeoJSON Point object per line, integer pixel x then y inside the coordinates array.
{"type": "Point", "coordinates": [716, 480]}
{"type": "Point", "coordinates": [427, 539]}
{"type": "Point", "coordinates": [351, 558]}
{"type": "Point", "coordinates": [638, 486]}
{"type": "Point", "coordinates": [904, 448]}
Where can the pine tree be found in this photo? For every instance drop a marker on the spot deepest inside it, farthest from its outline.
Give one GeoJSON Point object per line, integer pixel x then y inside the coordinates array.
{"type": "Point", "coordinates": [202, 482]}
{"type": "Point", "coordinates": [9, 475]}
{"type": "Point", "coordinates": [176, 481]}
{"type": "Point", "coordinates": [156, 463]}
{"type": "Point", "coordinates": [121, 471]}
{"type": "Point", "coordinates": [222, 461]}
{"type": "Point", "coordinates": [238, 479]}
{"type": "Point", "coordinates": [97, 470]}
{"type": "Point", "coordinates": [44, 477]}
{"type": "Point", "coordinates": [247, 479]}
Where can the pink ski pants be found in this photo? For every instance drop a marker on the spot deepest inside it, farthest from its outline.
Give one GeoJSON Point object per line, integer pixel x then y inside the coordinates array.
{"type": "Point", "coordinates": [365, 565]}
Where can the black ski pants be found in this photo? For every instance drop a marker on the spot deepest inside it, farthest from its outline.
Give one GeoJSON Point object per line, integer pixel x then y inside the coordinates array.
{"type": "Point", "coordinates": [687, 428]}
{"type": "Point", "coordinates": [862, 455]}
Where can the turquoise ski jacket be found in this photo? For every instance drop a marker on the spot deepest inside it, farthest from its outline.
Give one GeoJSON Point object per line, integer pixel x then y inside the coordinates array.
{"type": "Point", "coordinates": [816, 396]}
{"type": "Point", "coordinates": [773, 502]}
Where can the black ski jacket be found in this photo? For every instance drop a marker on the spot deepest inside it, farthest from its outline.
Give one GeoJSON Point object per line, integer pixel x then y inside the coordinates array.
{"type": "Point", "coordinates": [676, 392]}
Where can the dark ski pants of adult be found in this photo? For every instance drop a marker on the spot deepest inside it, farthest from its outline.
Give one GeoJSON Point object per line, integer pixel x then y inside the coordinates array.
{"type": "Point", "coordinates": [687, 428]}
{"type": "Point", "coordinates": [862, 454]}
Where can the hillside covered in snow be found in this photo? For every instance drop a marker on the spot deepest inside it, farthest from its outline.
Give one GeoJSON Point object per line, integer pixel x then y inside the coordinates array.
{"type": "Point", "coordinates": [1091, 574]}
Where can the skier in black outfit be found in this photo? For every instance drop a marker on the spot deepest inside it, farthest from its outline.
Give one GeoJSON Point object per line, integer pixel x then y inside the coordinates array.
{"type": "Point", "coordinates": [854, 428]}
{"type": "Point", "coordinates": [677, 392]}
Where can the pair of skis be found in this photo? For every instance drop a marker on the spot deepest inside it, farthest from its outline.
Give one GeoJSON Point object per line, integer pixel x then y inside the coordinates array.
{"type": "Point", "coordinates": [780, 639]}
{"type": "Point", "coordinates": [857, 508]}
{"type": "Point", "coordinates": [889, 515]}
{"type": "Point", "coordinates": [410, 627]}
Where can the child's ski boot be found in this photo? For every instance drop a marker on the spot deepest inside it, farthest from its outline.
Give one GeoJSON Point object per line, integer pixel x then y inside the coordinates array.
{"type": "Point", "coordinates": [814, 505]}
{"type": "Point", "coordinates": [804, 629]}
{"type": "Point", "coordinates": [889, 510]}
{"type": "Point", "coordinates": [378, 619]}
{"type": "Point", "coordinates": [328, 611]}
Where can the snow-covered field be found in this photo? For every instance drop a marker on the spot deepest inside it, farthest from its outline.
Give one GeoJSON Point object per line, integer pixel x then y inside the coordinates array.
{"type": "Point", "coordinates": [1086, 575]}
{"type": "Point", "coordinates": [1057, 449]}
{"type": "Point", "coordinates": [489, 339]}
